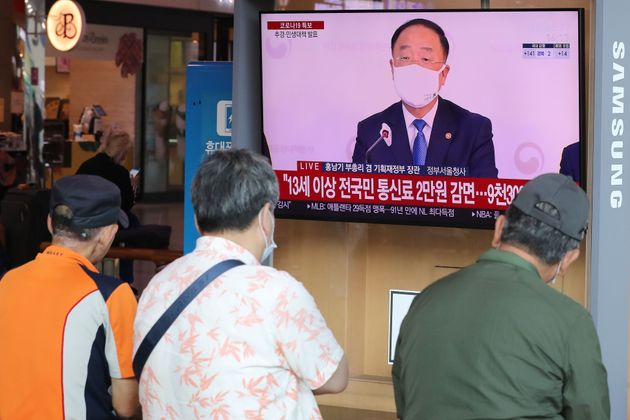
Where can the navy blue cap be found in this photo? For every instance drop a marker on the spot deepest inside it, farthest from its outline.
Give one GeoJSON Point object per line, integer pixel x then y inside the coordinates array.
{"type": "Point", "coordinates": [94, 201]}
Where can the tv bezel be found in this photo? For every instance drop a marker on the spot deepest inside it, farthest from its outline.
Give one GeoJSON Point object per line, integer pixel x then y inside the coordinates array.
{"type": "Point", "coordinates": [437, 222]}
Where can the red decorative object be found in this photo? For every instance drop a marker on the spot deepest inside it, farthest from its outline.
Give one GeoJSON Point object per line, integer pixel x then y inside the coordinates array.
{"type": "Point", "coordinates": [19, 6]}
{"type": "Point", "coordinates": [129, 54]}
{"type": "Point", "coordinates": [34, 76]}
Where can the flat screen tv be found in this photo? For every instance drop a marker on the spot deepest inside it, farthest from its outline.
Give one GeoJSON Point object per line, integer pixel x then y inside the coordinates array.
{"type": "Point", "coordinates": [367, 126]}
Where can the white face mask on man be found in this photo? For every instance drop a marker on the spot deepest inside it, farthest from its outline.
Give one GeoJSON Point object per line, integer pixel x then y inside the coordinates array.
{"type": "Point", "coordinates": [270, 244]}
{"type": "Point", "coordinates": [416, 85]}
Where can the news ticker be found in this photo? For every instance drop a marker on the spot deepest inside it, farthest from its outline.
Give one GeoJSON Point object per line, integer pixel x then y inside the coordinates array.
{"type": "Point", "coordinates": [313, 181]}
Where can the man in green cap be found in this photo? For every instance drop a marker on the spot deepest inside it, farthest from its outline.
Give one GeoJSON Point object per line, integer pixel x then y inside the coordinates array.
{"type": "Point", "coordinates": [493, 341]}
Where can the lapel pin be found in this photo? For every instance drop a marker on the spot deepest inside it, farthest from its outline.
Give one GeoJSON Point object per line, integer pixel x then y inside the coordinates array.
{"type": "Point", "coordinates": [386, 134]}
{"type": "Point", "coordinates": [448, 135]}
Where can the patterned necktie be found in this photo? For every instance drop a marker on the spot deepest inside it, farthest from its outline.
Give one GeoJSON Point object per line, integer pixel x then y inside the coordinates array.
{"type": "Point", "coordinates": [419, 144]}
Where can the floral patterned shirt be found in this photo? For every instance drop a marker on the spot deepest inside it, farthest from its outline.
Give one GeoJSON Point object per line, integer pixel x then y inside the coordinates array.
{"type": "Point", "coordinates": [252, 345]}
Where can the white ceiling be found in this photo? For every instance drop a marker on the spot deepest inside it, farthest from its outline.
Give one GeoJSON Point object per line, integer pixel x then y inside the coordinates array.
{"type": "Point", "coordinates": [222, 6]}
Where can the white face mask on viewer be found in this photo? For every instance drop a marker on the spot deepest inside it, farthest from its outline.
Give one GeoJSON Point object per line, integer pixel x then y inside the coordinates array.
{"type": "Point", "coordinates": [270, 245]}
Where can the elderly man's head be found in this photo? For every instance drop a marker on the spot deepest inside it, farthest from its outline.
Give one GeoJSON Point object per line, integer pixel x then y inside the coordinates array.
{"type": "Point", "coordinates": [84, 214]}
{"type": "Point", "coordinates": [418, 64]}
{"type": "Point", "coordinates": [235, 191]}
{"type": "Point", "coordinates": [547, 220]}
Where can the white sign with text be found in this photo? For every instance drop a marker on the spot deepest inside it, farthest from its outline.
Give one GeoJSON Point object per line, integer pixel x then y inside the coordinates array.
{"type": "Point", "coordinates": [399, 303]}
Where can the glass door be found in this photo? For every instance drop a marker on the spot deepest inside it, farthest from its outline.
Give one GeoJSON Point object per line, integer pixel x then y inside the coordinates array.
{"type": "Point", "coordinates": [165, 110]}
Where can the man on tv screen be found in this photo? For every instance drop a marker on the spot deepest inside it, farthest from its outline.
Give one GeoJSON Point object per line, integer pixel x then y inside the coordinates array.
{"type": "Point", "coordinates": [424, 128]}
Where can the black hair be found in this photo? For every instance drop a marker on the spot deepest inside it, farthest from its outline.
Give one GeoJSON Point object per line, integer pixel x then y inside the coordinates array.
{"type": "Point", "coordinates": [61, 221]}
{"type": "Point", "coordinates": [427, 24]}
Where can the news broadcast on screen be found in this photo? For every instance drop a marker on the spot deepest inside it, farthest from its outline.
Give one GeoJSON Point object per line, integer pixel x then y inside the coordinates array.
{"type": "Point", "coordinates": [341, 96]}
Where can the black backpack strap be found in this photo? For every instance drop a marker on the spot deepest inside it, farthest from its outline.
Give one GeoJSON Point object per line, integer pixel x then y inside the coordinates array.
{"type": "Point", "coordinates": [166, 320]}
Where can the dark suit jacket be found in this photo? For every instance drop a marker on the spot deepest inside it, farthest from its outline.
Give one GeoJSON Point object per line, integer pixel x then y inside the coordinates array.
{"type": "Point", "coordinates": [570, 162]}
{"type": "Point", "coordinates": [458, 138]}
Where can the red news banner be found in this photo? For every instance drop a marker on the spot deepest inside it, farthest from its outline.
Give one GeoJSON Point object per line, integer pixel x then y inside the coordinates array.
{"type": "Point", "coordinates": [295, 24]}
{"type": "Point", "coordinates": [311, 183]}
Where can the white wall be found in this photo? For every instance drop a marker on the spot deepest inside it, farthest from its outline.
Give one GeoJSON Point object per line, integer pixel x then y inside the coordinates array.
{"type": "Point", "coordinates": [221, 6]}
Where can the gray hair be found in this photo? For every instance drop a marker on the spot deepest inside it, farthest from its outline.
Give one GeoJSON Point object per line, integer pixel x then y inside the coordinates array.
{"type": "Point", "coordinates": [229, 189]}
{"type": "Point", "coordinates": [539, 239]}
{"type": "Point", "coordinates": [62, 228]}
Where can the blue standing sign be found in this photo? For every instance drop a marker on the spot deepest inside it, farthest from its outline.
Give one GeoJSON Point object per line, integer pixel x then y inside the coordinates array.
{"type": "Point", "coordinates": [208, 126]}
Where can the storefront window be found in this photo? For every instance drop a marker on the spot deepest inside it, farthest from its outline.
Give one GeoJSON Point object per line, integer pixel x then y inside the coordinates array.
{"type": "Point", "coordinates": [165, 109]}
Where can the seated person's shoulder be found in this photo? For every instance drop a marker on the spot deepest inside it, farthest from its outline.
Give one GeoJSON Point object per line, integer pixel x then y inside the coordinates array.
{"type": "Point", "coordinates": [573, 148]}
{"type": "Point", "coordinates": [88, 164]}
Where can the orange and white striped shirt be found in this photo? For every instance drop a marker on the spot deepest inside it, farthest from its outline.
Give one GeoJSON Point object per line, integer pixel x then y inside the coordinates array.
{"type": "Point", "coordinates": [251, 345]}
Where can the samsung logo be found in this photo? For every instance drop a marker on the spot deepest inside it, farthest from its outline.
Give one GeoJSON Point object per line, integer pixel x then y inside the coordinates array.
{"type": "Point", "coordinates": [616, 147]}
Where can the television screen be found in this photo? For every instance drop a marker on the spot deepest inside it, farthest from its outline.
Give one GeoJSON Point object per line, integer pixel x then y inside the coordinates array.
{"type": "Point", "coordinates": [419, 117]}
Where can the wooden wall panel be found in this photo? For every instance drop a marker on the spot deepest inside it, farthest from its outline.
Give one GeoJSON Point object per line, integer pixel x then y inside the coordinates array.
{"type": "Point", "coordinates": [319, 260]}
{"type": "Point", "coordinates": [100, 82]}
{"type": "Point", "coordinates": [57, 84]}
{"type": "Point", "coordinates": [94, 82]}
{"type": "Point", "coordinates": [349, 269]}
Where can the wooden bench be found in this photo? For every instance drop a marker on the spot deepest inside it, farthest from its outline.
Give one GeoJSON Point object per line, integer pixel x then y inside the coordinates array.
{"type": "Point", "coordinates": [158, 256]}
{"type": "Point", "coordinates": [110, 263]}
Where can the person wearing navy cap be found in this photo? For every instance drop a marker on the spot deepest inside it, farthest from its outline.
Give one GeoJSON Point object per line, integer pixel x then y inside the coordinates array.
{"type": "Point", "coordinates": [67, 330]}
{"type": "Point", "coordinates": [493, 340]}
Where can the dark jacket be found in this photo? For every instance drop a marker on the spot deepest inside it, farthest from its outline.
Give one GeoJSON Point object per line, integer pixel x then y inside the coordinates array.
{"type": "Point", "coordinates": [104, 166]}
{"type": "Point", "coordinates": [459, 138]}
